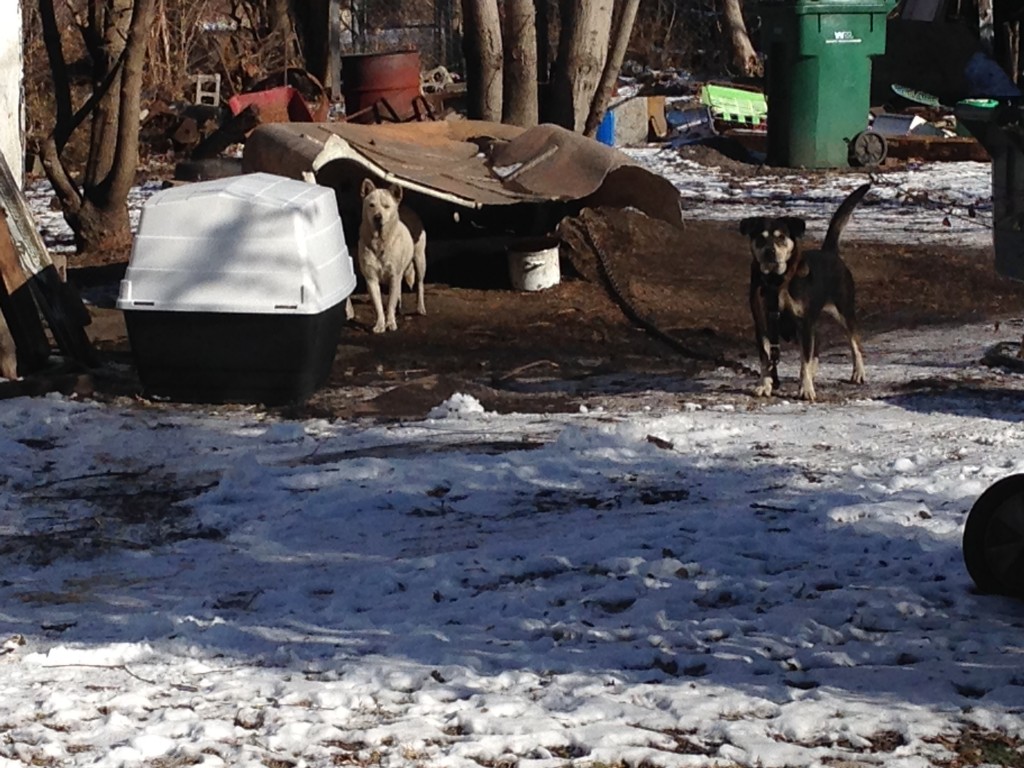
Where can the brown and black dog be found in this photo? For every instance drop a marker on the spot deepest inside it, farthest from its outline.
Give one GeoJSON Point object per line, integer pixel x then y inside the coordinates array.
{"type": "Point", "coordinates": [790, 289]}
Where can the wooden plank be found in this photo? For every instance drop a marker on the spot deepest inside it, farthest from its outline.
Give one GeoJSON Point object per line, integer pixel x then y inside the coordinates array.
{"type": "Point", "coordinates": [62, 309]}
{"type": "Point", "coordinates": [233, 131]}
{"type": "Point", "coordinates": [30, 349]}
{"type": "Point", "coordinates": [32, 253]}
{"type": "Point", "coordinates": [656, 120]}
{"type": "Point", "coordinates": [14, 280]}
{"type": "Point", "coordinates": [61, 380]}
{"type": "Point", "coordinates": [10, 268]}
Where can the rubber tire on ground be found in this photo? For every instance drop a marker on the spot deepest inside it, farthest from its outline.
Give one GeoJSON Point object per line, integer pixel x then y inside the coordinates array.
{"type": "Point", "coordinates": [868, 148]}
{"type": "Point", "coordinates": [993, 541]}
{"type": "Point", "coordinates": [208, 169]}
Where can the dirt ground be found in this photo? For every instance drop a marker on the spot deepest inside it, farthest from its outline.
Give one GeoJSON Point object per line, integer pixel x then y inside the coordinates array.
{"type": "Point", "coordinates": [573, 344]}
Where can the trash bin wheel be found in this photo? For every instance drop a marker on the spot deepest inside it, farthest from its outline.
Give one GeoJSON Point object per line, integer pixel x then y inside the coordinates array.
{"type": "Point", "coordinates": [868, 148]}
{"type": "Point", "coordinates": [993, 542]}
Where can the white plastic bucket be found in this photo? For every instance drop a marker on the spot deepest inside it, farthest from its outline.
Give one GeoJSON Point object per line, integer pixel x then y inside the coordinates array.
{"type": "Point", "coordinates": [534, 266]}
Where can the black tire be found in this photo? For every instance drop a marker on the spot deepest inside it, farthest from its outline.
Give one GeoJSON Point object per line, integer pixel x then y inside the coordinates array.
{"type": "Point", "coordinates": [867, 149]}
{"type": "Point", "coordinates": [993, 543]}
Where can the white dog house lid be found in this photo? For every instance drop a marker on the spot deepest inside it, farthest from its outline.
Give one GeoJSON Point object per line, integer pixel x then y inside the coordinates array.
{"type": "Point", "coordinates": [256, 243]}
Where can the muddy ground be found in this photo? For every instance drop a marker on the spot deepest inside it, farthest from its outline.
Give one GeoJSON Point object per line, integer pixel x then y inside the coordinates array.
{"type": "Point", "coordinates": [575, 344]}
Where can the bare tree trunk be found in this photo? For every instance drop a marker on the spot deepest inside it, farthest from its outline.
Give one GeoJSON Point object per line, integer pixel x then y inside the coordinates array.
{"type": "Point", "coordinates": [986, 24]}
{"type": "Point", "coordinates": [583, 48]}
{"type": "Point", "coordinates": [313, 22]}
{"type": "Point", "coordinates": [334, 44]}
{"type": "Point", "coordinates": [520, 107]}
{"type": "Point", "coordinates": [1007, 41]}
{"type": "Point", "coordinates": [623, 30]}
{"type": "Point", "coordinates": [65, 118]}
{"type": "Point", "coordinates": [743, 55]}
{"type": "Point", "coordinates": [483, 51]}
{"type": "Point", "coordinates": [103, 217]}
{"type": "Point", "coordinates": [110, 23]}
{"type": "Point", "coordinates": [278, 19]}
{"type": "Point", "coordinates": [126, 154]}
{"type": "Point", "coordinates": [1013, 50]}
{"type": "Point", "coordinates": [543, 33]}
{"type": "Point", "coordinates": [97, 207]}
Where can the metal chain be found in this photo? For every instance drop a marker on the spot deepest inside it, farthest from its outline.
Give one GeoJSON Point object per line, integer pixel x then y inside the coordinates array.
{"type": "Point", "coordinates": [631, 311]}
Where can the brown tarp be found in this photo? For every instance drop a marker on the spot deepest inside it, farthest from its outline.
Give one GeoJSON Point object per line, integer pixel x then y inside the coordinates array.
{"type": "Point", "coordinates": [468, 163]}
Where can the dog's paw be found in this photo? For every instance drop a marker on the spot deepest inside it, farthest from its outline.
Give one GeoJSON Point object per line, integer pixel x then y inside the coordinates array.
{"type": "Point", "coordinates": [857, 377]}
{"type": "Point", "coordinates": [807, 371]}
{"type": "Point", "coordinates": [807, 393]}
{"type": "Point", "coordinates": [378, 327]}
{"type": "Point", "coordinates": [764, 389]}
{"type": "Point", "coordinates": [392, 325]}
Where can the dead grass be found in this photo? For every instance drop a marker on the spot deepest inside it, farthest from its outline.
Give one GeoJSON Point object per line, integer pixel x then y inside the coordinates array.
{"type": "Point", "coordinates": [977, 746]}
{"type": "Point", "coordinates": [85, 516]}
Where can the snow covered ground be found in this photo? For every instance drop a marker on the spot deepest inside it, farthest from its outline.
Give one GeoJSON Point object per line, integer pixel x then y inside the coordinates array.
{"type": "Point", "coordinates": [918, 202]}
{"type": "Point", "coordinates": [708, 584]}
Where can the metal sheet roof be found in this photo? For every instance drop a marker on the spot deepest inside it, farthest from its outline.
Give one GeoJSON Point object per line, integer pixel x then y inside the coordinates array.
{"type": "Point", "coordinates": [470, 163]}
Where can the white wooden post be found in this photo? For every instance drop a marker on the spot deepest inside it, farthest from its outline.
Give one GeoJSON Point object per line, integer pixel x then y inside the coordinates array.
{"type": "Point", "coordinates": [12, 121]}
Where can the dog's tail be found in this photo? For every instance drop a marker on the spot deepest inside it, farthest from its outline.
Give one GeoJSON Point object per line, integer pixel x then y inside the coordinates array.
{"type": "Point", "coordinates": [842, 217]}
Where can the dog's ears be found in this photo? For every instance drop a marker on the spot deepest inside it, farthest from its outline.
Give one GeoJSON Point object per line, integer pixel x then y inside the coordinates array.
{"type": "Point", "coordinates": [396, 192]}
{"type": "Point", "coordinates": [752, 225]}
{"type": "Point", "coordinates": [796, 226]}
{"type": "Point", "coordinates": [755, 225]}
{"type": "Point", "coordinates": [367, 188]}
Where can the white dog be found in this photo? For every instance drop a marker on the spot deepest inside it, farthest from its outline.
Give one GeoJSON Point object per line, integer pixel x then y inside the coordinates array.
{"type": "Point", "coordinates": [392, 246]}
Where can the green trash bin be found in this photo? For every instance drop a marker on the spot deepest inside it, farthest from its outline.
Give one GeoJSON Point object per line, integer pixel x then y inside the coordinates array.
{"type": "Point", "coordinates": [819, 76]}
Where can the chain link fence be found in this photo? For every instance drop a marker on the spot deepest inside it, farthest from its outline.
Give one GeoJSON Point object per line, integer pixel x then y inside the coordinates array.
{"type": "Point", "coordinates": [433, 27]}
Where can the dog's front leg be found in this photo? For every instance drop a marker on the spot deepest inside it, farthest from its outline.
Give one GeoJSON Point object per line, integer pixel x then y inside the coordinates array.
{"type": "Point", "coordinates": [808, 362]}
{"type": "Point", "coordinates": [394, 297]}
{"type": "Point", "coordinates": [421, 307]}
{"type": "Point", "coordinates": [769, 375]}
{"type": "Point", "coordinates": [858, 360]}
{"type": "Point", "coordinates": [373, 288]}
{"type": "Point", "coordinates": [420, 266]}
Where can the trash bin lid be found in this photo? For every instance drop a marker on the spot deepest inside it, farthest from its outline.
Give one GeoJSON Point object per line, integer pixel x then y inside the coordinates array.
{"type": "Point", "coordinates": [827, 6]}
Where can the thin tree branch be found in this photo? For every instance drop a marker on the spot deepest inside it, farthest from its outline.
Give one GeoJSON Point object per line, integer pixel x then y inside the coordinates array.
{"type": "Point", "coordinates": [64, 186]}
{"type": "Point", "coordinates": [612, 65]}
{"type": "Point", "coordinates": [62, 133]}
{"type": "Point", "coordinates": [58, 66]}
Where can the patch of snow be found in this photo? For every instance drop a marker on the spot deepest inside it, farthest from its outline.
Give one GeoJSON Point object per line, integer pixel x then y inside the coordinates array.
{"type": "Point", "coordinates": [693, 584]}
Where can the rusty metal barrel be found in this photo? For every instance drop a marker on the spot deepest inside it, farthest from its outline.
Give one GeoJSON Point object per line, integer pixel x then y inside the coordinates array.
{"type": "Point", "coordinates": [380, 85]}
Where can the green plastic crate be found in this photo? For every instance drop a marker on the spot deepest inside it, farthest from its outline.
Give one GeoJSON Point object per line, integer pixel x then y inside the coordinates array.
{"type": "Point", "coordinates": [735, 105]}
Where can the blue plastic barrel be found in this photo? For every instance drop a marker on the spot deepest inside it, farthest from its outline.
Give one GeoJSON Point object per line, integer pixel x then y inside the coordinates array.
{"type": "Point", "coordinates": [606, 130]}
